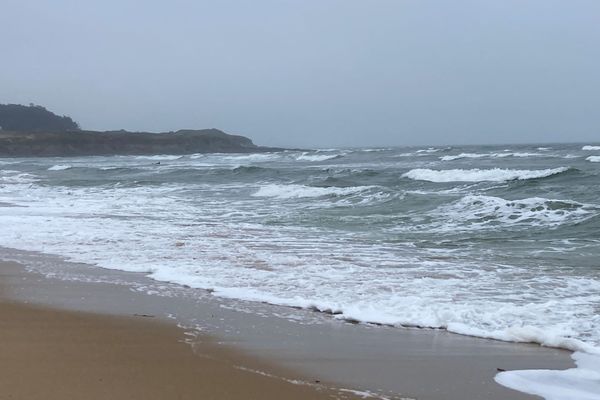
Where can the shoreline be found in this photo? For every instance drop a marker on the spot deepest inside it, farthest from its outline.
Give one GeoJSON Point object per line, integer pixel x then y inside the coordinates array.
{"type": "Point", "coordinates": [50, 353]}
{"type": "Point", "coordinates": [387, 362]}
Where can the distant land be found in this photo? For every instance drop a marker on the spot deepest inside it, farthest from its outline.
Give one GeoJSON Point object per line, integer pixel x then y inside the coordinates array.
{"type": "Point", "coordinates": [33, 131]}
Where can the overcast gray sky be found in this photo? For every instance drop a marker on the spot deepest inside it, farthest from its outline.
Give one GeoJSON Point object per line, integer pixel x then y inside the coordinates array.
{"type": "Point", "coordinates": [312, 73]}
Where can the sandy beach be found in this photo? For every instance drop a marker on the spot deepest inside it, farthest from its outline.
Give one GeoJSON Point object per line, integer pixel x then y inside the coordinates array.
{"type": "Point", "coordinates": [339, 199]}
{"type": "Point", "coordinates": [50, 354]}
{"type": "Point", "coordinates": [74, 338]}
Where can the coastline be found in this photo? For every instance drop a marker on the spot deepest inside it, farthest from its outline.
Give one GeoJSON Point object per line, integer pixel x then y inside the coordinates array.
{"type": "Point", "coordinates": [387, 362]}
{"type": "Point", "coordinates": [48, 353]}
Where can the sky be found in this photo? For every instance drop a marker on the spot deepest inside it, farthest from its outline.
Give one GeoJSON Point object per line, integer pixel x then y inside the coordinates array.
{"type": "Point", "coordinates": [313, 73]}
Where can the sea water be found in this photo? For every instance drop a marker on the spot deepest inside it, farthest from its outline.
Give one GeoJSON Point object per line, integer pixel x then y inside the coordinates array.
{"type": "Point", "coordinates": [499, 242]}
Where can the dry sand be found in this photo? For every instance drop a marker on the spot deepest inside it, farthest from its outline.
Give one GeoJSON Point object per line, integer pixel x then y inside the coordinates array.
{"type": "Point", "coordinates": [48, 354]}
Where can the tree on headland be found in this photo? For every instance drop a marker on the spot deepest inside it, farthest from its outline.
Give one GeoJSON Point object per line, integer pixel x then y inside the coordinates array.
{"type": "Point", "coordinates": [33, 118]}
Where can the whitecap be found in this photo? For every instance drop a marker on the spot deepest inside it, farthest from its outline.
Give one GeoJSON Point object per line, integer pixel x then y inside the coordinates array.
{"type": "Point", "coordinates": [479, 211]}
{"type": "Point", "coordinates": [593, 158]}
{"type": "Point", "coordinates": [377, 149]}
{"type": "Point", "coordinates": [479, 175]}
{"type": "Point", "coordinates": [59, 167]}
{"type": "Point", "coordinates": [256, 157]}
{"type": "Point", "coordinates": [301, 191]}
{"type": "Point", "coordinates": [428, 150]}
{"type": "Point", "coordinates": [159, 157]}
{"type": "Point", "coordinates": [590, 148]}
{"type": "Point", "coordinates": [316, 157]}
{"type": "Point", "coordinates": [490, 155]}
{"type": "Point", "coordinates": [463, 155]}
{"type": "Point", "coordinates": [525, 154]}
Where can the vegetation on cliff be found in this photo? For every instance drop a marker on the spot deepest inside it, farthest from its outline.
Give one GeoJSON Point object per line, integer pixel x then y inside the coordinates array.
{"type": "Point", "coordinates": [91, 143]}
{"type": "Point", "coordinates": [33, 131]}
{"type": "Point", "coordinates": [32, 118]}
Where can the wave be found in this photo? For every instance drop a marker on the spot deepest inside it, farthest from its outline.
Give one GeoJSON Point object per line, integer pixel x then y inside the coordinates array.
{"type": "Point", "coordinates": [479, 175]}
{"type": "Point", "coordinates": [518, 154]}
{"type": "Point", "coordinates": [278, 251]}
{"type": "Point", "coordinates": [590, 148]}
{"type": "Point", "coordinates": [491, 155]}
{"type": "Point", "coordinates": [593, 158]}
{"type": "Point", "coordinates": [495, 320]}
{"type": "Point", "coordinates": [478, 211]}
{"type": "Point", "coordinates": [159, 157]}
{"type": "Point", "coordinates": [116, 168]}
{"type": "Point", "coordinates": [244, 169]}
{"type": "Point", "coordinates": [16, 177]}
{"type": "Point", "coordinates": [431, 150]}
{"type": "Point", "coordinates": [59, 167]}
{"type": "Point", "coordinates": [298, 267]}
{"type": "Point", "coordinates": [254, 157]}
{"type": "Point", "coordinates": [463, 155]}
{"type": "Point", "coordinates": [377, 149]}
{"type": "Point", "coordinates": [301, 191]}
{"type": "Point", "coordinates": [317, 157]}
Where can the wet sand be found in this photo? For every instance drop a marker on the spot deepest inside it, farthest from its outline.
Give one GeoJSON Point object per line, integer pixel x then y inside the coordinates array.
{"type": "Point", "coordinates": [423, 364]}
{"type": "Point", "coordinates": [49, 354]}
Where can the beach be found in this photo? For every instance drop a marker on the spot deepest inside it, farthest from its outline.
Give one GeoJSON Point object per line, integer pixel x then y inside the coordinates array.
{"type": "Point", "coordinates": [57, 354]}
{"type": "Point", "coordinates": [415, 273]}
{"type": "Point", "coordinates": [300, 200]}
{"type": "Point", "coordinates": [86, 339]}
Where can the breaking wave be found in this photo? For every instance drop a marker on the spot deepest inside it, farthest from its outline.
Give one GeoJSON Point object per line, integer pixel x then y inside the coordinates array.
{"type": "Point", "coordinates": [159, 157]}
{"type": "Point", "coordinates": [316, 157]}
{"type": "Point", "coordinates": [590, 148]}
{"type": "Point", "coordinates": [59, 167]}
{"type": "Point", "coordinates": [479, 175]}
{"type": "Point", "coordinates": [475, 211]}
{"type": "Point", "coordinates": [301, 191]}
{"type": "Point", "coordinates": [16, 177]}
{"type": "Point", "coordinates": [490, 155]}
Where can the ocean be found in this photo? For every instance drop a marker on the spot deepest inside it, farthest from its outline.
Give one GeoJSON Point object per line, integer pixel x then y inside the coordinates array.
{"type": "Point", "coordinates": [498, 242]}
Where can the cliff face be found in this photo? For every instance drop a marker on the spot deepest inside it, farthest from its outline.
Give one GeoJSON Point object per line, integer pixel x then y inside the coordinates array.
{"type": "Point", "coordinates": [90, 143]}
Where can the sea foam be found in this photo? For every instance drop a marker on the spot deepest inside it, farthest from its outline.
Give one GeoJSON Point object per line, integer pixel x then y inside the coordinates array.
{"type": "Point", "coordinates": [59, 167]}
{"type": "Point", "coordinates": [479, 211]}
{"type": "Point", "coordinates": [299, 191]}
{"type": "Point", "coordinates": [581, 383]}
{"type": "Point", "coordinates": [16, 177]}
{"type": "Point", "coordinates": [479, 175]}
